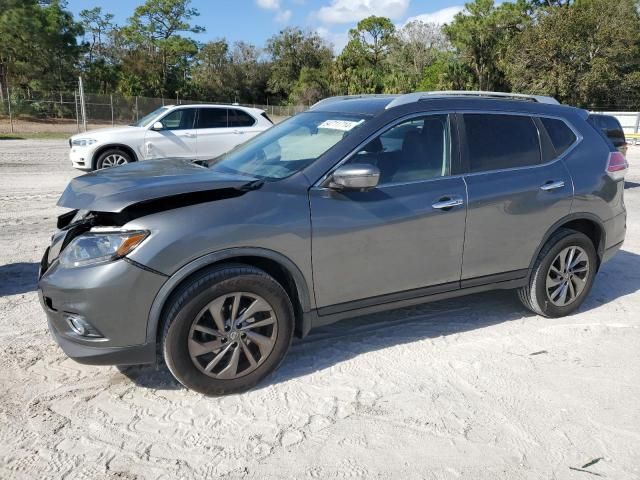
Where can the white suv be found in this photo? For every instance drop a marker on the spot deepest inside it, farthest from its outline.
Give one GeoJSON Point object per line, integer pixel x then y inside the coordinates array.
{"type": "Point", "coordinates": [188, 131]}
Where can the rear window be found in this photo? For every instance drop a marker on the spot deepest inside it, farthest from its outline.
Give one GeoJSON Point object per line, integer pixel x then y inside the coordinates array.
{"type": "Point", "coordinates": [609, 125]}
{"type": "Point", "coordinates": [562, 137]}
{"type": "Point", "coordinates": [501, 141]}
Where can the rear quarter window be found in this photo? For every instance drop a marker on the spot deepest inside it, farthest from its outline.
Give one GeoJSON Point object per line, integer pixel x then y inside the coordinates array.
{"type": "Point", "coordinates": [238, 118]}
{"type": "Point", "coordinates": [562, 137]}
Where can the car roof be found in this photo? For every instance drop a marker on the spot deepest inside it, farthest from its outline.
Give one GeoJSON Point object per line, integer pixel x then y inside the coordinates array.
{"type": "Point", "coordinates": [217, 105]}
{"type": "Point", "coordinates": [376, 104]}
{"type": "Point", "coordinates": [362, 104]}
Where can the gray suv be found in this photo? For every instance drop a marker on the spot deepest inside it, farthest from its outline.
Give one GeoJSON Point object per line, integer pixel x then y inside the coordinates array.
{"type": "Point", "coordinates": [361, 204]}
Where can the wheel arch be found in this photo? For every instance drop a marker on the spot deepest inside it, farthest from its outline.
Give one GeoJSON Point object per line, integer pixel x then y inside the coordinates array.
{"type": "Point", "coordinates": [586, 223]}
{"type": "Point", "coordinates": [115, 146]}
{"type": "Point", "coordinates": [284, 270]}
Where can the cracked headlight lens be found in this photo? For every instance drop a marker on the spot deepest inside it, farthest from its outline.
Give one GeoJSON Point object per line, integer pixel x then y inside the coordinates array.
{"type": "Point", "coordinates": [100, 247]}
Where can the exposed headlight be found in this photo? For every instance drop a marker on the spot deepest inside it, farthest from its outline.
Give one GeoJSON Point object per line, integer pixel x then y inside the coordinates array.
{"type": "Point", "coordinates": [100, 247]}
{"type": "Point", "coordinates": [83, 142]}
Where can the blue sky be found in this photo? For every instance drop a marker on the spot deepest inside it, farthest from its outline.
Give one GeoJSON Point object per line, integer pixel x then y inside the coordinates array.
{"type": "Point", "coordinates": [256, 20]}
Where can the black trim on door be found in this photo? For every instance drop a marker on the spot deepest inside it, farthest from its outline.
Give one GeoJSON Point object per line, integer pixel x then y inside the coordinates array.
{"type": "Point", "coordinates": [423, 292]}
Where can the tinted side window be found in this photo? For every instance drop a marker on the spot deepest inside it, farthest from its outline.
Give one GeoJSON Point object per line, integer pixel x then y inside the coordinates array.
{"type": "Point", "coordinates": [418, 149]}
{"type": "Point", "coordinates": [212, 118]}
{"type": "Point", "coordinates": [501, 141]}
{"type": "Point", "coordinates": [181, 119]}
{"type": "Point", "coordinates": [238, 118]}
{"type": "Point", "coordinates": [560, 134]}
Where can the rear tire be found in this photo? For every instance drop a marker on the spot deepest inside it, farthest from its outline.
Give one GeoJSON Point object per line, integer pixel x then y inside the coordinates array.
{"type": "Point", "coordinates": [227, 329]}
{"type": "Point", "coordinates": [112, 157]}
{"type": "Point", "coordinates": [562, 275]}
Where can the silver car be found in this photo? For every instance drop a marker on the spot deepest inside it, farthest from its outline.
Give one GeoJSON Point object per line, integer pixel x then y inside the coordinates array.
{"type": "Point", "coordinates": [359, 205]}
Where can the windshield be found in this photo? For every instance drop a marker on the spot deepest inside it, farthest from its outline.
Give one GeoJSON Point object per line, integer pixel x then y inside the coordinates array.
{"type": "Point", "coordinates": [289, 146]}
{"type": "Point", "coordinates": [147, 119]}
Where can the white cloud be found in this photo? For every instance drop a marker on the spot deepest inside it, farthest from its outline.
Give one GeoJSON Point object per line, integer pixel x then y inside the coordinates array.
{"type": "Point", "coordinates": [269, 4]}
{"type": "Point", "coordinates": [338, 40]}
{"type": "Point", "coordinates": [439, 17]}
{"type": "Point", "coordinates": [283, 16]}
{"type": "Point", "coordinates": [348, 11]}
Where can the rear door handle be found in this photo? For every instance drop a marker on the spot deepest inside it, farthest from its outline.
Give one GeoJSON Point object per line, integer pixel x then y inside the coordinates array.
{"type": "Point", "coordinates": [189, 134]}
{"type": "Point", "coordinates": [551, 185]}
{"type": "Point", "coordinates": [446, 203]}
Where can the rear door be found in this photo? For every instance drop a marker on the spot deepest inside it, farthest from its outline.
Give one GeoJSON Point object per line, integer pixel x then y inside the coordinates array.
{"type": "Point", "coordinates": [244, 126]}
{"type": "Point", "coordinates": [177, 138]}
{"type": "Point", "coordinates": [214, 135]}
{"type": "Point", "coordinates": [517, 188]}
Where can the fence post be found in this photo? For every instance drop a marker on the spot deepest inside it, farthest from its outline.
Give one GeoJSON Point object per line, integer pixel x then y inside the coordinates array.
{"type": "Point", "coordinates": [75, 102]}
{"type": "Point", "coordinates": [9, 104]}
{"type": "Point", "coordinates": [83, 108]}
{"type": "Point", "coordinates": [137, 108]}
{"type": "Point", "coordinates": [111, 102]}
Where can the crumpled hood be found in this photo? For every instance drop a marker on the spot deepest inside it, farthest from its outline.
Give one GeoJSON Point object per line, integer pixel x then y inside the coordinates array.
{"type": "Point", "coordinates": [113, 189]}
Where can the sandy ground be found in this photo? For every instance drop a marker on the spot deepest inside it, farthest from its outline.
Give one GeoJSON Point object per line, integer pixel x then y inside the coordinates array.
{"type": "Point", "coordinates": [474, 388]}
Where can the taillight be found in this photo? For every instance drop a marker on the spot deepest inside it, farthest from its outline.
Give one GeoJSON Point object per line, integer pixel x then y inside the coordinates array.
{"type": "Point", "coordinates": [617, 166]}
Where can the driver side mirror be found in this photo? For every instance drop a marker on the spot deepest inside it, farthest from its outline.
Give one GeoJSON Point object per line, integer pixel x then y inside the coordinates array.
{"type": "Point", "coordinates": [157, 126]}
{"type": "Point", "coordinates": [356, 176]}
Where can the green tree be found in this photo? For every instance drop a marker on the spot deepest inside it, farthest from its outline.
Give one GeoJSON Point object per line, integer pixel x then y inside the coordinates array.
{"type": "Point", "coordinates": [313, 84]}
{"type": "Point", "coordinates": [418, 45]}
{"type": "Point", "coordinates": [292, 51]}
{"type": "Point", "coordinates": [585, 54]}
{"type": "Point", "coordinates": [362, 65]}
{"type": "Point", "coordinates": [39, 48]}
{"type": "Point", "coordinates": [101, 64]}
{"type": "Point", "coordinates": [157, 58]}
{"type": "Point", "coordinates": [481, 34]}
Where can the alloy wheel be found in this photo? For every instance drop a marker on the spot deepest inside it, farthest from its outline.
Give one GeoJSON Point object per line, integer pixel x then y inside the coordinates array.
{"type": "Point", "coordinates": [233, 335]}
{"type": "Point", "coordinates": [113, 160]}
{"type": "Point", "coordinates": [567, 276]}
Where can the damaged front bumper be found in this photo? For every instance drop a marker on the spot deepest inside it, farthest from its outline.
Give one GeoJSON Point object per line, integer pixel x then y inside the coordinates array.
{"type": "Point", "coordinates": [98, 313]}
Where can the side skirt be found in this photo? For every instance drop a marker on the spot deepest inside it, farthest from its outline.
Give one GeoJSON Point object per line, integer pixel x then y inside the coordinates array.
{"type": "Point", "coordinates": [334, 313]}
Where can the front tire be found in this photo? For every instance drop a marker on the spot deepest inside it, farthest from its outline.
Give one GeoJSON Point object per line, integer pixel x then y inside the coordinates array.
{"type": "Point", "coordinates": [227, 329]}
{"type": "Point", "coordinates": [113, 157]}
{"type": "Point", "coordinates": [562, 276]}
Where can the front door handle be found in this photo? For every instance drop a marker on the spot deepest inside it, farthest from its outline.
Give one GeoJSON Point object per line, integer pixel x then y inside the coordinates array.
{"type": "Point", "coordinates": [447, 203]}
{"type": "Point", "coordinates": [189, 135]}
{"type": "Point", "coordinates": [551, 185]}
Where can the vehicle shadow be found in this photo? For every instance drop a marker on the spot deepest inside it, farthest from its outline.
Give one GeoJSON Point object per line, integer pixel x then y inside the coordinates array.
{"type": "Point", "coordinates": [330, 345]}
{"type": "Point", "coordinates": [18, 278]}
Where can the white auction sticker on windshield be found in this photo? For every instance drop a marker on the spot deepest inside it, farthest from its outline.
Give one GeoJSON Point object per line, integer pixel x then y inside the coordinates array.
{"type": "Point", "coordinates": [342, 125]}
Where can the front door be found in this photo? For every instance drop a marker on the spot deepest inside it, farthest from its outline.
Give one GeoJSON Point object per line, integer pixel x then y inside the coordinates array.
{"type": "Point", "coordinates": [401, 237]}
{"type": "Point", "coordinates": [176, 139]}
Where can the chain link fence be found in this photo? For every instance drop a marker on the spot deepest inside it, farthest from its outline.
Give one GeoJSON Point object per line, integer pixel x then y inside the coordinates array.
{"type": "Point", "coordinates": [27, 111]}
{"type": "Point", "coordinates": [23, 112]}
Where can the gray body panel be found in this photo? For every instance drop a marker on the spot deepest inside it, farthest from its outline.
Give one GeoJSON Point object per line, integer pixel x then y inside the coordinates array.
{"type": "Point", "coordinates": [115, 297]}
{"type": "Point", "coordinates": [386, 240]}
{"type": "Point", "coordinates": [508, 216]}
{"type": "Point", "coordinates": [348, 253]}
